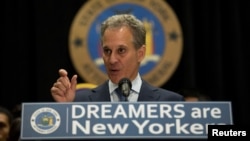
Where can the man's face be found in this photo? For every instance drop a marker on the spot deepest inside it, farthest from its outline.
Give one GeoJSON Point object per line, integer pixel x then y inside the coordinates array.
{"type": "Point", "coordinates": [120, 57]}
{"type": "Point", "coordinates": [4, 127]}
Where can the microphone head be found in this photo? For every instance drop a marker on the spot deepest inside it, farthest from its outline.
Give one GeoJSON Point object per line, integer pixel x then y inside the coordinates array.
{"type": "Point", "coordinates": [125, 86]}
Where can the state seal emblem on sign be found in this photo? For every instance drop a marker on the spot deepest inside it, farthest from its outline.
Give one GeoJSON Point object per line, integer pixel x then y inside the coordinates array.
{"type": "Point", "coordinates": [45, 120]}
{"type": "Point", "coordinates": [164, 39]}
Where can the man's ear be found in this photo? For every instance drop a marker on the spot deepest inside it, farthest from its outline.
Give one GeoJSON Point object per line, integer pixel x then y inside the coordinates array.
{"type": "Point", "coordinates": [141, 53]}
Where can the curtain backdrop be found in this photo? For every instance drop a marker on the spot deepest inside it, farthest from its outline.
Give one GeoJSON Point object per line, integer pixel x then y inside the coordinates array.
{"type": "Point", "coordinates": [215, 55]}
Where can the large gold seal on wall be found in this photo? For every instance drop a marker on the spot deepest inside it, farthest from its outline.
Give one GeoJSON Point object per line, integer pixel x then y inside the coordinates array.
{"type": "Point", "coordinates": [164, 39]}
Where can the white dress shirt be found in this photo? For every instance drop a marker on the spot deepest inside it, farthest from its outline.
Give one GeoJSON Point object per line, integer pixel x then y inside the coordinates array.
{"type": "Point", "coordinates": [134, 93]}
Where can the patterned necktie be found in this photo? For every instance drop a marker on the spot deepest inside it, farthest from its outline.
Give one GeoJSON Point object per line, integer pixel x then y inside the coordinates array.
{"type": "Point", "coordinates": [120, 95]}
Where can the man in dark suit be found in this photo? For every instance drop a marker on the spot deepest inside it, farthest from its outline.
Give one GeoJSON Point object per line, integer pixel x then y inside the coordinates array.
{"type": "Point", "coordinates": [123, 42]}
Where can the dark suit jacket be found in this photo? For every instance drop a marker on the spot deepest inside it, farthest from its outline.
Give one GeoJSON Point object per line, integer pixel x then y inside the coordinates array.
{"type": "Point", "coordinates": [147, 93]}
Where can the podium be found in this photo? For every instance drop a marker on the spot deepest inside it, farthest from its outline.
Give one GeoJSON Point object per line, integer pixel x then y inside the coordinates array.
{"type": "Point", "coordinates": [122, 120]}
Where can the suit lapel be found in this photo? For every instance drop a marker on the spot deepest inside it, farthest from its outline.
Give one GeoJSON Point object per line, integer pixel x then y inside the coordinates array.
{"type": "Point", "coordinates": [147, 92]}
{"type": "Point", "coordinates": [101, 93]}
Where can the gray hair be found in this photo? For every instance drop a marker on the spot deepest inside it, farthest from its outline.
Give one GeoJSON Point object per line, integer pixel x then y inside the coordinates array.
{"type": "Point", "coordinates": [136, 26]}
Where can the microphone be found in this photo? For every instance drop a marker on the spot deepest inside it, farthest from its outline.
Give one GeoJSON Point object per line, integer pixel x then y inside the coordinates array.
{"type": "Point", "coordinates": [125, 86]}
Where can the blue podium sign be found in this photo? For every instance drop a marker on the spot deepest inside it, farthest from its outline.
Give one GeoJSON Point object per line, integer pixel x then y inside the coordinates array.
{"type": "Point", "coordinates": [123, 120]}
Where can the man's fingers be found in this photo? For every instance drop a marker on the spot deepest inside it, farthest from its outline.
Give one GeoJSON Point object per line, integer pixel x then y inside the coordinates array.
{"type": "Point", "coordinates": [61, 86]}
{"type": "Point", "coordinates": [64, 81]}
{"type": "Point", "coordinates": [63, 72]}
{"type": "Point", "coordinates": [57, 91]}
{"type": "Point", "coordinates": [73, 82]}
